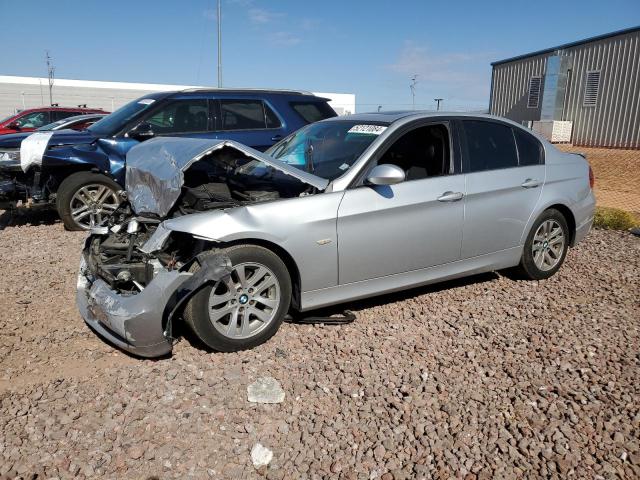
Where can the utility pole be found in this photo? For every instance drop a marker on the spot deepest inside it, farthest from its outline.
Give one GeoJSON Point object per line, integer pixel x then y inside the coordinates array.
{"type": "Point", "coordinates": [50, 73]}
{"type": "Point", "coordinates": [219, 45]}
{"type": "Point", "coordinates": [414, 81]}
{"type": "Point", "coordinates": [438, 100]}
{"type": "Point", "coordinates": [379, 107]}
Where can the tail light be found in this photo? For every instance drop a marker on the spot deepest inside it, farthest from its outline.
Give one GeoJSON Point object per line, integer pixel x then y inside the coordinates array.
{"type": "Point", "coordinates": [592, 179]}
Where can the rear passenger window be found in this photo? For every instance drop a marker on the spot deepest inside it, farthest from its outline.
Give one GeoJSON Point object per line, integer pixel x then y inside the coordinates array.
{"type": "Point", "coordinates": [247, 115]}
{"type": "Point", "coordinates": [313, 111]}
{"type": "Point", "coordinates": [529, 149]}
{"type": "Point", "coordinates": [61, 114]}
{"type": "Point", "coordinates": [489, 146]}
{"type": "Point", "coordinates": [272, 119]}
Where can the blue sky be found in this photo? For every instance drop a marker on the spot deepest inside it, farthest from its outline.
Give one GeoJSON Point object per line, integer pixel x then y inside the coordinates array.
{"type": "Point", "coordinates": [367, 47]}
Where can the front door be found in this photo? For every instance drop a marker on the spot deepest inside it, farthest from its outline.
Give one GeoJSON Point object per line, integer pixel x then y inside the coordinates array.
{"type": "Point", "coordinates": [385, 230]}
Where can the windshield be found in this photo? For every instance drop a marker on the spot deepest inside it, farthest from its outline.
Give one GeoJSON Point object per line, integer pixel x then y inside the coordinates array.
{"type": "Point", "coordinates": [7, 118]}
{"type": "Point", "coordinates": [327, 149]}
{"type": "Point", "coordinates": [113, 122]}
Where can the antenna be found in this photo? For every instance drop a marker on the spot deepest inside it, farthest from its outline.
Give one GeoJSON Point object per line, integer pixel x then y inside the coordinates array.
{"type": "Point", "coordinates": [50, 73]}
{"type": "Point", "coordinates": [219, 45]}
{"type": "Point", "coordinates": [414, 82]}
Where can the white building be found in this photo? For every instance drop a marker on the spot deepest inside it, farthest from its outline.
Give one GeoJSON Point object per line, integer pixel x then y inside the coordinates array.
{"type": "Point", "coordinates": [19, 93]}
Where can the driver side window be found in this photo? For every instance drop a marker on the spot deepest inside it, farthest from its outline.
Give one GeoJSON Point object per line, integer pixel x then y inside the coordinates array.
{"type": "Point", "coordinates": [34, 120]}
{"type": "Point", "coordinates": [182, 116]}
{"type": "Point", "coordinates": [423, 152]}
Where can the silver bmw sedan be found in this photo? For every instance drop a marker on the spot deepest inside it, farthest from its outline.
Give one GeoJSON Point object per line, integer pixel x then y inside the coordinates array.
{"type": "Point", "coordinates": [229, 239]}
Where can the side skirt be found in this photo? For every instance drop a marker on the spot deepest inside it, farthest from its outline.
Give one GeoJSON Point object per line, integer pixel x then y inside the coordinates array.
{"type": "Point", "coordinates": [415, 278]}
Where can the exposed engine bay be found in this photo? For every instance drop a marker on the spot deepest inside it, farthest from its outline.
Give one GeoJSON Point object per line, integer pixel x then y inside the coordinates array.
{"type": "Point", "coordinates": [222, 179]}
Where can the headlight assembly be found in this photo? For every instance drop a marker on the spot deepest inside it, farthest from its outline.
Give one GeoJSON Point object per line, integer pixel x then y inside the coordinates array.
{"type": "Point", "coordinates": [9, 155]}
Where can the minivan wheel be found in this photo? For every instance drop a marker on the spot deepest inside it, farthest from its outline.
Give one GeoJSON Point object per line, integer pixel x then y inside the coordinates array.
{"type": "Point", "coordinates": [546, 246]}
{"type": "Point", "coordinates": [85, 199]}
{"type": "Point", "coordinates": [245, 309]}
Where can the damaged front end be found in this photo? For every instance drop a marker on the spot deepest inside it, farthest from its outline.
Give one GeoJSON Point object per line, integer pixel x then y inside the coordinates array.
{"type": "Point", "coordinates": [135, 273]}
{"type": "Point", "coordinates": [130, 297]}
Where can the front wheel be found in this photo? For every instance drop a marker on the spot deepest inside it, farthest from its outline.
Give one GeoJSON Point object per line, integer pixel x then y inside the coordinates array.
{"type": "Point", "coordinates": [245, 309]}
{"type": "Point", "coordinates": [546, 246]}
{"type": "Point", "coordinates": [85, 199]}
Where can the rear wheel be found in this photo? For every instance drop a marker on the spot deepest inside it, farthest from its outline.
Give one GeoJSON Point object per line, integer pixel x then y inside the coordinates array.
{"type": "Point", "coordinates": [86, 199]}
{"type": "Point", "coordinates": [546, 246]}
{"type": "Point", "coordinates": [245, 309]}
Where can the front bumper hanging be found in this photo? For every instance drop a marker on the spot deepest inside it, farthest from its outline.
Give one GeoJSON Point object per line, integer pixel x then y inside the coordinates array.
{"type": "Point", "coordinates": [141, 323]}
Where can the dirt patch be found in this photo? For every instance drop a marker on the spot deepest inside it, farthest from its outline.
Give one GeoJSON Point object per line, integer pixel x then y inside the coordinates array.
{"type": "Point", "coordinates": [480, 378]}
{"type": "Point", "coordinates": [617, 174]}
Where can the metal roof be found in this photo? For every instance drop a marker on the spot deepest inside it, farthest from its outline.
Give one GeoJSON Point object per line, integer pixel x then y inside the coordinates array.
{"type": "Point", "coordinates": [568, 45]}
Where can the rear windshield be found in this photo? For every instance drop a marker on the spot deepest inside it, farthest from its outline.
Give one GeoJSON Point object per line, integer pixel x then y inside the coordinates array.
{"type": "Point", "coordinates": [313, 111]}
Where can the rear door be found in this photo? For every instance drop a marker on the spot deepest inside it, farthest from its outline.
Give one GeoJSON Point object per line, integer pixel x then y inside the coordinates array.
{"type": "Point", "coordinates": [251, 121]}
{"type": "Point", "coordinates": [504, 174]}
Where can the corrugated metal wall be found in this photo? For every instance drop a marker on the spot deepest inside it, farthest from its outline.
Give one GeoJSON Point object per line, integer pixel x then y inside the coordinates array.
{"type": "Point", "coordinates": [613, 122]}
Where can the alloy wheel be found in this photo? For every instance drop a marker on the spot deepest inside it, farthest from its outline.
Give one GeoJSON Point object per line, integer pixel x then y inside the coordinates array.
{"type": "Point", "coordinates": [91, 204]}
{"type": "Point", "coordinates": [548, 245]}
{"type": "Point", "coordinates": [245, 302]}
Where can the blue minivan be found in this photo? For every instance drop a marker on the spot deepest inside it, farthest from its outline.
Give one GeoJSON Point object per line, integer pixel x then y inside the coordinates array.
{"type": "Point", "coordinates": [81, 172]}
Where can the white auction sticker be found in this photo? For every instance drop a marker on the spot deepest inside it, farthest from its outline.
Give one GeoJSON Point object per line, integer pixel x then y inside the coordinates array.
{"type": "Point", "coordinates": [368, 129]}
{"type": "Point", "coordinates": [146, 101]}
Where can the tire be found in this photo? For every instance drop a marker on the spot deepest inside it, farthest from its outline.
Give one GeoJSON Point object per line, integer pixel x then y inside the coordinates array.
{"type": "Point", "coordinates": [544, 240]}
{"type": "Point", "coordinates": [219, 330]}
{"type": "Point", "coordinates": [96, 192]}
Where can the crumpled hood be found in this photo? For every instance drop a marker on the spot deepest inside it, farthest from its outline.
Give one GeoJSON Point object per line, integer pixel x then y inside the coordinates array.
{"type": "Point", "coordinates": [155, 169]}
{"type": "Point", "coordinates": [13, 140]}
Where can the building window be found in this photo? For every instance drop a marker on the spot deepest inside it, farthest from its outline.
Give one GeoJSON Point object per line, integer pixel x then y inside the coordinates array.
{"type": "Point", "coordinates": [534, 92]}
{"type": "Point", "coordinates": [592, 88]}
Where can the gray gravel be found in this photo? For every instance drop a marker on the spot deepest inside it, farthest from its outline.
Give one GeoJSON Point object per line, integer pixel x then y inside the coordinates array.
{"type": "Point", "coordinates": [482, 378]}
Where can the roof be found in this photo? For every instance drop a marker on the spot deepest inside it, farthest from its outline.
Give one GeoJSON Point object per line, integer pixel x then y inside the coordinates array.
{"type": "Point", "coordinates": [393, 116]}
{"type": "Point", "coordinates": [568, 45]}
{"type": "Point", "coordinates": [247, 90]}
{"type": "Point", "coordinates": [66, 109]}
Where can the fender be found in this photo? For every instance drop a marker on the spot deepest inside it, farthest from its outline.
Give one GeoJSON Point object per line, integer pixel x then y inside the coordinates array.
{"type": "Point", "coordinates": [213, 268]}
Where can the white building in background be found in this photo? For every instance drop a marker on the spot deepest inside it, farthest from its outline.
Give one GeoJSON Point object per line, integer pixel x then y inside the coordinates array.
{"type": "Point", "coordinates": [19, 93]}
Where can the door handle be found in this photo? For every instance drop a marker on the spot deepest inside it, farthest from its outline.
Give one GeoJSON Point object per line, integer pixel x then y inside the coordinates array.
{"type": "Point", "coordinates": [450, 197]}
{"type": "Point", "coordinates": [275, 138]}
{"type": "Point", "coordinates": [531, 183]}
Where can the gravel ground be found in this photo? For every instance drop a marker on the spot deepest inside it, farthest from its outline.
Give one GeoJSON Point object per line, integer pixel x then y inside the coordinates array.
{"type": "Point", "coordinates": [482, 378]}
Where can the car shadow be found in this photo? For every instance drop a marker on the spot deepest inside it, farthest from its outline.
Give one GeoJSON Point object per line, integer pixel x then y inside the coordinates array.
{"type": "Point", "coordinates": [387, 298]}
{"type": "Point", "coordinates": [21, 217]}
{"type": "Point", "coordinates": [182, 331]}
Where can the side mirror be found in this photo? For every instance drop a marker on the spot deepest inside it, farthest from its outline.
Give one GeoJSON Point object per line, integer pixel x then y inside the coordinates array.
{"type": "Point", "coordinates": [385, 174]}
{"type": "Point", "coordinates": [14, 126]}
{"type": "Point", "coordinates": [141, 132]}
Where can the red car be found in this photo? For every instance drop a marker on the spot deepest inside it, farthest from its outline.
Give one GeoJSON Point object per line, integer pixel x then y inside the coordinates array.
{"type": "Point", "coordinates": [33, 118]}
